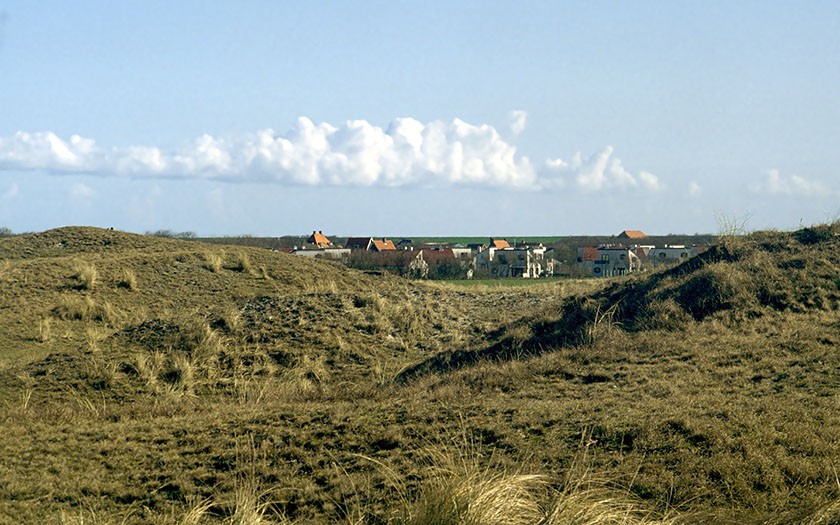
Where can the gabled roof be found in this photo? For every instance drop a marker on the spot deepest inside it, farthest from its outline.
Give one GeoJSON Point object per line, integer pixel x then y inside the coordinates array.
{"type": "Point", "coordinates": [319, 239]}
{"type": "Point", "coordinates": [437, 256]}
{"type": "Point", "coordinates": [385, 245]}
{"type": "Point", "coordinates": [632, 234]}
{"type": "Point", "coordinates": [499, 244]}
{"type": "Point", "coordinates": [359, 243]}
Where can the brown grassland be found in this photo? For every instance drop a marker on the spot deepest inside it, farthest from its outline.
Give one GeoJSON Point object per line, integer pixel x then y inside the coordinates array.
{"type": "Point", "coordinates": [154, 380]}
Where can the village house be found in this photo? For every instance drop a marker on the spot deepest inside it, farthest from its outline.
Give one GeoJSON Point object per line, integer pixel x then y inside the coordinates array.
{"type": "Point", "coordinates": [608, 260]}
{"type": "Point", "coordinates": [370, 244]}
{"type": "Point", "coordinates": [439, 262]}
{"type": "Point", "coordinates": [486, 254]}
{"type": "Point", "coordinates": [319, 240]}
{"type": "Point", "coordinates": [619, 259]}
{"type": "Point", "coordinates": [461, 252]}
{"type": "Point", "coordinates": [319, 245]}
{"type": "Point", "coordinates": [500, 259]}
{"type": "Point", "coordinates": [385, 245]}
{"type": "Point", "coordinates": [359, 243]}
{"type": "Point", "coordinates": [632, 235]}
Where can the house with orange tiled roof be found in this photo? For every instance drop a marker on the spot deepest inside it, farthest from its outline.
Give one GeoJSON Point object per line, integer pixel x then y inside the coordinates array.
{"type": "Point", "coordinates": [385, 245]}
{"type": "Point", "coordinates": [499, 244]}
{"type": "Point", "coordinates": [319, 240]}
{"type": "Point", "coordinates": [370, 244]}
{"type": "Point", "coordinates": [632, 234]}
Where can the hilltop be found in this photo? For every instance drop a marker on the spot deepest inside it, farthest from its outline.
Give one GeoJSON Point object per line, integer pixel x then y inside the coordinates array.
{"type": "Point", "coordinates": [146, 379]}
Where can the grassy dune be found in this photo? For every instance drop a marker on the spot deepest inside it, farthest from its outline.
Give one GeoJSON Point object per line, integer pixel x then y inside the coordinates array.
{"type": "Point", "coordinates": [149, 380]}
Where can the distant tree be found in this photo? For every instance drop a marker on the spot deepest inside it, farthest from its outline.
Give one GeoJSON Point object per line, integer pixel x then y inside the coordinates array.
{"type": "Point", "coordinates": [5, 232]}
{"type": "Point", "coordinates": [446, 270]}
{"type": "Point", "coordinates": [172, 235]}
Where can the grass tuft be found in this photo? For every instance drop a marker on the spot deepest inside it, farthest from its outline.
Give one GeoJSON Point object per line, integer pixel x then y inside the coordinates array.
{"type": "Point", "coordinates": [242, 263]}
{"type": "Point", "coordinates": [85, 275]}
{"type": "Point", "coordinates": [128, 280]}
{"type": "Point", "coordinates": [214, 261]}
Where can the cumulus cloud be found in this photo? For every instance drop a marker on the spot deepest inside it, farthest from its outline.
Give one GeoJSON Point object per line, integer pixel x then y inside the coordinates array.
{"type": "Point", "coordinates": [356, 153]}
{"type": "Point", "coordinates": [601, 171]}
{"type": "Point", "coordinates": [775, 183]}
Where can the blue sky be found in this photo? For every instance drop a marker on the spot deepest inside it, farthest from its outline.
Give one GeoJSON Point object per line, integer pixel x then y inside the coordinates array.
{"type": "Point", "coordinates": [418, 118]}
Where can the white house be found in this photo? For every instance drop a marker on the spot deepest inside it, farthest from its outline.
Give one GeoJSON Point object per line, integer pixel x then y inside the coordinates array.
{"type": "Point", "coordinates": [608, 260]}
{"type": "Point", "coordinates": [522, 261]}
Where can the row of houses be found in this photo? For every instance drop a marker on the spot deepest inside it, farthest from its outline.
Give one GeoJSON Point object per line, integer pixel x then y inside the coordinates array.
{"type": "Point", "coordinates": [494, 259]}
{"type": "Point", "coordinates": [497, 258]}
{"type": "Point", "coordinates": [609, 260]}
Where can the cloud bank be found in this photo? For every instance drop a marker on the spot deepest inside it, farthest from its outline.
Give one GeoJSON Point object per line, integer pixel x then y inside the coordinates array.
{"type": "Point", "coordinates": [356, 153]}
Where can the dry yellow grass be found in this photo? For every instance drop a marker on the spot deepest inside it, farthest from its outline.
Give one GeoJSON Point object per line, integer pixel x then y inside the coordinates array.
{"type": "Point", "coordinates": [133, 407]}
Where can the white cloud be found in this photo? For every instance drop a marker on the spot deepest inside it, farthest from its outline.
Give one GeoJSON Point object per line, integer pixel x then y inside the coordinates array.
{"type": "Point", "coordinates": [599, 172]}
{"type": "Point", "coordinates": [649, 181]}
{"type": "Point", "coordinates": [47, 151]}
{"type": "Point", "coordinates": [518, 118]}
{"type": "Point", "coordinates": [775, 183]}
{"type": "Point", "coordinates": [355, 153]}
